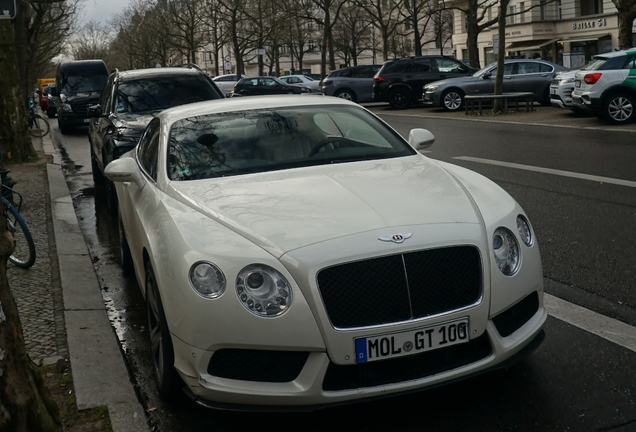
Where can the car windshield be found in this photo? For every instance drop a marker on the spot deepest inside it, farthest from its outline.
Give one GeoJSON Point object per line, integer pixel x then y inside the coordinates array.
{"type": "Point", "coordinates": [83, 83]}
{"type": "Point", "coordinates": [232, 143]}
{"type": "Point", "coordinates": [594, 64]}
{"type": "Point", "coordinates": [161, 92]}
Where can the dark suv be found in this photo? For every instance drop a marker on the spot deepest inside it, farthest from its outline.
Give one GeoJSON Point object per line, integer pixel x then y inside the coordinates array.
{"type": "Point", "coordinates": [131, 99]}
{"type": "Point", "coordinates": [399, 82]}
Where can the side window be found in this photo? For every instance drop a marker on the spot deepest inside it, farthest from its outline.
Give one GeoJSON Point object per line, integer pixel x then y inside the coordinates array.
{"type": "Point", "coordinates": [346, 73]}
{"type": "Point", "coordinates": [364, 72]}
{"type": "Point", "coordinates": [447, 65]}
{"type": "Point", "coordinates": [528, 68]}
{"type": "Point", "coordinates": [147, 150]}
{"type": "Point", "coordinates": [631, 63]}
{"type": "Point", "coordinates": [546, 68]}
{"type": "Point", "coordinates": [420, 66]}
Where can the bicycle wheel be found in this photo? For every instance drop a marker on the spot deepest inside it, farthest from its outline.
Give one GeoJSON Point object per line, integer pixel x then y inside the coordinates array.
{"type": "Point", "coordinates": [39, 126]}
{"type": "Point", "coordinates": [24, 252]}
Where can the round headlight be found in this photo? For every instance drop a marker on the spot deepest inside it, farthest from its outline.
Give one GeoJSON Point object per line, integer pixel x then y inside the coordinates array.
{"type": "Point", "coordinates": [523, 226]}
{"type": "Point", "coordinates": [207, 279]}
{"type": "Point", "coordinates": [506, 251]}
{"type": "Point", "coordinates": [263, 290]}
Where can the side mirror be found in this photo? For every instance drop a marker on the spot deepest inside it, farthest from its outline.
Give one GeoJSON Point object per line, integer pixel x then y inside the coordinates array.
{"type": "Point", "coordinates": [487, 75]}
{"type": "Point", "coordinates": [94, 110]}
{"type": "Point", "coordinates": [421, 138]}
{"type": "Point", "coordinates": [124, 170]}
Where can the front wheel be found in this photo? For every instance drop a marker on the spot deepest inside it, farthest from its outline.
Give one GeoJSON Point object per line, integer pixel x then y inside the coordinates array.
{"type": "Point", "coordinates": [39, 126]}
{"type": "Point", "coordinates": [24, 253]}
{"type": "Point", "coordinates": [619, 108]}
{"type": "Point", "coordinates": [347, 95]}
{"type": "Point", "coordinates": [399, 98]}
{"type": "Point", "coordinates": [161, 347]}
{"type": "Point", "coordinates": [452, 100]}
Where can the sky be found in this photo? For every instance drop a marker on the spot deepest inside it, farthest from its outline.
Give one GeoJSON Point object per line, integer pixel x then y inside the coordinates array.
{"type": "Point", "coordinates": [102, 10]}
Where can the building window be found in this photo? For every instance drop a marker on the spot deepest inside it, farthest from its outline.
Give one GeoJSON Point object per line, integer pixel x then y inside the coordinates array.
{"type": "Point", "coordinates": [522, 8]}
{"type": "Point", "coordinates": [510, 19]}
{"type": "Point", "coordinates": [591, 7]}
{"type": "Point", "coordinates": [312, 45]}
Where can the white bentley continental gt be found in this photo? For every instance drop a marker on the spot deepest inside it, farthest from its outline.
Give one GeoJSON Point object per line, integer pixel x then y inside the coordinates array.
{"type": "Point", "coordinates": [296, 252]}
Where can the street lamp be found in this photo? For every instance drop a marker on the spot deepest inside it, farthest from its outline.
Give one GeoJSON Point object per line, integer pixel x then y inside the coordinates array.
{"type": "Point", "coordinates": [291, 52]}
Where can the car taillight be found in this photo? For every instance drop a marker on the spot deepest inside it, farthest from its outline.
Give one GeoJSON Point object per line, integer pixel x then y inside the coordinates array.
{"type": "Point", "coordinates": [592, 78]}
{"type": "Point", "coordinates": [378, 78]}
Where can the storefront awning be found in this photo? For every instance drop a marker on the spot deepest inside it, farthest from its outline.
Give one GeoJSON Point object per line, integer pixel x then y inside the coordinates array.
{"type": "Point", "coordinates": [584, 38]}
{"type": "Point", "coordinates": [529, 45]}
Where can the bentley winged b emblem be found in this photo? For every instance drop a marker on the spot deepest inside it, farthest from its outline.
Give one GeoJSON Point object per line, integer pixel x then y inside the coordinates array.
{"type": "Point", "coordinates": [396, 238]}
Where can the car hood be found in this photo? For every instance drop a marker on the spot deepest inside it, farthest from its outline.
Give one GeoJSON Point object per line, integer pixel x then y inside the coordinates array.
{"type": "Point", "coordinates": [455, 81]}
{"type": "Point", "coordinates": [285, 210]}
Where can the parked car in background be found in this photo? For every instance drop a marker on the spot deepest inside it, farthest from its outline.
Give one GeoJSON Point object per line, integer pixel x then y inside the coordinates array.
{"type": "Point", "coordinates": [51, 105]}
{"type": "Point", "coordinates": [44, 97]}
{"type": "Point", "coordinates": [298, 252]}
{"type": "Point", "coordinates": [607, 86]}
{"type": "Point", "coordinates": [265, 85]}
{"type": "Point", "coordinates": [561, 90]}
{"type": "Point", "coordinates": [520, 75]}
{"type": "Point", "coordinates": [400, 82]}
{"type": "Point", "coordinates": [353, 83]}
{"type": "Point", "coordinates": [227, 82]}
{"type": "Point", "coordinates": [308, 82]}
{"type": "Point", "coordinates": [131, 99]}
{"type": "Point", "coordinates": [78, 84]}
{"type": "Point", "coordinates": [314, 76]}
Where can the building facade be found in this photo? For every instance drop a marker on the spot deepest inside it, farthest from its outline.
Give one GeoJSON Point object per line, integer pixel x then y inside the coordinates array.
{"type": "Point", "coordinates": [567, 32]}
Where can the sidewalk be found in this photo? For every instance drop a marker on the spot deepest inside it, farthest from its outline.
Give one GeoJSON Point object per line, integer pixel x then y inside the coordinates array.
{"type": "Point", "coordinates": [59, 300]}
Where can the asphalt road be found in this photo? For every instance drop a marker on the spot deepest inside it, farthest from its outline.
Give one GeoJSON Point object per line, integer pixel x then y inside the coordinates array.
{"type": "Point", "coordinates": [575, 380]}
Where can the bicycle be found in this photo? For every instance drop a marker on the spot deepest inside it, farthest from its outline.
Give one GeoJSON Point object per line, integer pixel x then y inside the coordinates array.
{"type": "Point", "coordinates": [24, 252]}
{"type": "Point", "coordinates": [38, 126]}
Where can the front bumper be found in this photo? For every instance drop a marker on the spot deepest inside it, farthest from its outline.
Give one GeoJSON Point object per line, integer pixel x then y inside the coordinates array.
{"type": "Point", "coordinates": [309, 390]}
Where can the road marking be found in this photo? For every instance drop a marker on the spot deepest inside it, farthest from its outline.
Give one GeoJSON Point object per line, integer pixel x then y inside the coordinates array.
{"type": "Point", "coordinates": [608, 328]}
{"type": "Point", "coordinates": [571, 174]}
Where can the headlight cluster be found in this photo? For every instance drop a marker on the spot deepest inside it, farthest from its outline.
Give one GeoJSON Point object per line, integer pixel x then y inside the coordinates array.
{"type": "Point", "coordinates": [430, 89]}
{"type": "Point", "coordinates": [207, 279]}
{"type": "Point", "coordinates": [263, 290]}
{"type": "Point", "coordinates": [67, 107]}
{"type": "Point", "coordinates": [506, 249]}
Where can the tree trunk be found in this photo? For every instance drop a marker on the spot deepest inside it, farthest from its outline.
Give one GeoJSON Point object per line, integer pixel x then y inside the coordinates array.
{"type": "Point", "coordinates": [626, 16]}
{"type": "Point", "coordinates": [25, 402]}
{"type": "Point", "coordinates": [501, 54]}
{"type": "Point", "coordinates": [15, 142]}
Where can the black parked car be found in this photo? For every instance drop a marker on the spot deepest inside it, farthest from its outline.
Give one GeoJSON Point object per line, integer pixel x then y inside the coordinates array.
{"type": "Point", "coordinates": [131, 99]}
{"type": "Point", "coordinates": [264, 85]}
{"type": "Point", "coordinates": [399, 82]}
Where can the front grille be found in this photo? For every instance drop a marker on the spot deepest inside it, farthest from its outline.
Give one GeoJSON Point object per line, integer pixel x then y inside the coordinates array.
{"type": "Point", "coordinates": [401, 287]}
{"type": "Point", "coordinates": [80, 108]}
{"type": "Point", "coordinates": [406, 368]}
{"type": "Point", "coordinates": [257, 365]}
{"type": "Point", "coordinates": [511, 320]}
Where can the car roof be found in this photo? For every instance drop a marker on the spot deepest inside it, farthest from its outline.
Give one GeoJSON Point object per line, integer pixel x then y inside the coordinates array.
{"type": "Point", "coordinates": [251, 103]}
{"type": "Point", "coordinates": [612, 54]}
{"type": "Point", "coordinates": [150, 72]}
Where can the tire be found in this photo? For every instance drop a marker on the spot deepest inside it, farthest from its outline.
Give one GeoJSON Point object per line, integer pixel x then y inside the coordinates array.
{"type": "Point", "coordinates": [161, 348]}
{"type": "Point", "coordinates": [452, 100]}
{"type": "Point", "coordinates": [98, 177]}
{"type": "Point", "coordinates": [619, 108]}
{"type": "Point", "coordinates": [347, 95]}
{"type": "Point", "coordinates": [64, 130]}
{"type": "Point", "coordinates": [545, 101]}
{"type": "Point", "coordinates": [400, 98]}
{"type": "Point", "coordinates": [39, 126]}
{"type": "Point", "coordinates": [50, 114]}
{"type": "Point", "coordinates": [24, 253]}
{"type": "Point", "coordinates": [127, 265]}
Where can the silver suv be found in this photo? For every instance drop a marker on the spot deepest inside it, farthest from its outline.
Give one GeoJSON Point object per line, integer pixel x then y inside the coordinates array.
{"type": "Point", "coordinates": [561, 90]}
{"type": "Point", "coordinates": [607, 86]}
{"type": "Point", "coordinates": [352, 83]}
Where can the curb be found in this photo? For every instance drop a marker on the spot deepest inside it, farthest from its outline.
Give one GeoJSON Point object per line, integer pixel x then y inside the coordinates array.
{"type": "Point", "coordinates": [100, 375]}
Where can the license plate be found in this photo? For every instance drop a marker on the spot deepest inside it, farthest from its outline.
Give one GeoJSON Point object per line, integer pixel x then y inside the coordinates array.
{"type": "Point", "coordinates": [553, 91]}
{"type": "Point", "coordinates": [411, 342]}
{"type": "Point", "coordinates": [86, 120]}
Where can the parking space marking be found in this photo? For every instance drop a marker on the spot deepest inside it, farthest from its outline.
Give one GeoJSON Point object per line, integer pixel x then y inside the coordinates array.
{"type": "Point", "coordinates": [571, 174]}
{"type": "Point", "coordinates": [608, 328]}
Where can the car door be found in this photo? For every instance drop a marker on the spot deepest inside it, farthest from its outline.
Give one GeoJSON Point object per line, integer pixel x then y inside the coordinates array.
{"type": "Point", "coordinates": [418, 73]}
{"type": "Point", "coordinates": [269, 86]}
{"type": "Point", "coordinates": [533, 76]}
{"type": "Point", "coordinates": [486, 83]}
{"type": "Point", "coordinates": [101, 128]}
{"type": "Point", "coordinates": [362, 82]}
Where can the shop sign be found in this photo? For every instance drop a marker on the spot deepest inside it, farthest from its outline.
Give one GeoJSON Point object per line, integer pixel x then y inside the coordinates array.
{"type": "Point", "coordinates": [601, 22]}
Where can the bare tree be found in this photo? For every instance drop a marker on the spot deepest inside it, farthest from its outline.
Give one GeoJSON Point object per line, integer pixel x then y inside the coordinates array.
{"type": "Point", "coordinates": [626, 16]}
{"type": "Point", "coordinates": [91, 42]}
{"type": "Point", "coordinates": [238, 28]}
{"type": "Point", "coordinates": [352, 33]}
{"type": "Point", "coordinates": [385, 15]}
{"type": "Point", "coordinates": [185, 22]}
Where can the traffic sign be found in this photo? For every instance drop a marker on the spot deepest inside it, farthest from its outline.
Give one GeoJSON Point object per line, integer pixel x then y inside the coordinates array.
{"type": "Point", "coordinates": [7, 9]}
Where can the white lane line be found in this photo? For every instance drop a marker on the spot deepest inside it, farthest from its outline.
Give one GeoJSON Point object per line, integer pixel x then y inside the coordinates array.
{"type": "Point", "coordinates": [593, 178]}
{"type": "Point", "coordinates": [608, 328]}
